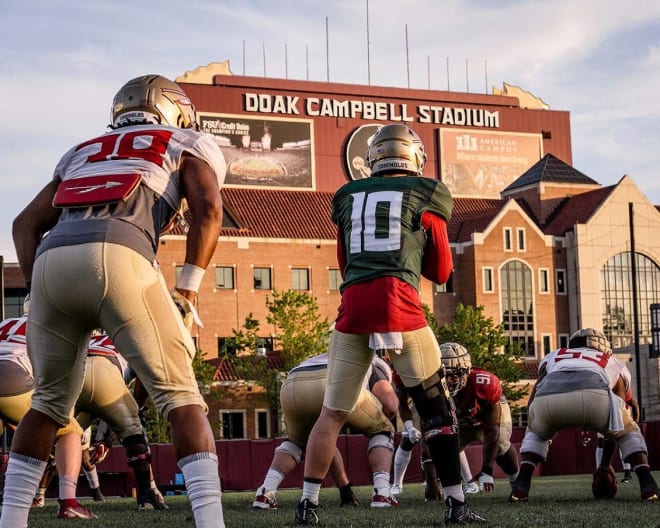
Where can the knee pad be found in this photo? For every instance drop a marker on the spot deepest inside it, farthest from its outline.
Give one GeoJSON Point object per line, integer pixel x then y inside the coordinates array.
{"type": "Point", "coordinates": [290, 449]}
{"type": "Point", "coordinates": [533, 443]}
{"type": "Point", "coordinates": [381, 440]}
{"type": "Point", "coordinates": [632, 442]}
{"type": "Point", "coordinates": [433, 404]}
{"type": "Point", "coordinates": [137, 449]}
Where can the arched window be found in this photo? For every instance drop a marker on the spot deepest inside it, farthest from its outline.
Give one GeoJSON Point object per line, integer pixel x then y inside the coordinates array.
{"type": "Point", "coordinates": [517, 308]}
{"type": "Point", "coordinates": [617, 297]}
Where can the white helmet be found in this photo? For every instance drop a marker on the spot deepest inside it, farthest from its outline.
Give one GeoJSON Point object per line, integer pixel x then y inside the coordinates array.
{"type": "Point", "coordinates": [457, 363]}
{"type": "Point", "coordinates": [396, 148]}
{"type": "Point", "coordinates": [590, 338]}
{"type": "Point", "coordinates": [152, 99]}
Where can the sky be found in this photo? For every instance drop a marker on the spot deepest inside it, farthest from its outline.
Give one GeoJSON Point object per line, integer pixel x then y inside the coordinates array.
{"type": "Point", "coordinates": [61, 62]}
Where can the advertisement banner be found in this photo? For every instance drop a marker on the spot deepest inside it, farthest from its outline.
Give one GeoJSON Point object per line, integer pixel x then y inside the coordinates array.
{"type": "Point", "coordinates": [481, 164]}
{"type": "Point", "coordinates": [274, 152]}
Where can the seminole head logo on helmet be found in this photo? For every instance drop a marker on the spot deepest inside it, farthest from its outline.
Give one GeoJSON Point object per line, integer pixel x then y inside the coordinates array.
{"type": "Point", "coordinates": [152, 99]}
{"type": "Point", "coordinates": [457, 363]}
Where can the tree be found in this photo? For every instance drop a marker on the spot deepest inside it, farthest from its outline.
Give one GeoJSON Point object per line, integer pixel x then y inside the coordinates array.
{"type": "Point", "coordinates": [488, 347]}
{"type": "Point", "coordinates": [299, 333]}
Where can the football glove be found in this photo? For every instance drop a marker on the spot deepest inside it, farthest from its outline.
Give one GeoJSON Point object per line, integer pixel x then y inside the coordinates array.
{"type": "Point", "coordinates": [414, 434]}
{"type": "Point", "coordinates": [186, 309]}
{"type": "Point", "coordinates": [486, 482]}
{"type": "Point", "coordinates": [98, 453]}
{"type": "Point", "coordinates": [26, 303]}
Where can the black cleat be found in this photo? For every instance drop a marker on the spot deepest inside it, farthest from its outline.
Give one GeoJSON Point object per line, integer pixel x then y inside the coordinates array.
{"type": "Point", "coordinates": [306, 513]}
{"type": "Point", "coordinates": [458, 512]}
{"type": "Point", "coordinates": [97, 495]}
{"type": "Point", "coordinates": [148, 500]}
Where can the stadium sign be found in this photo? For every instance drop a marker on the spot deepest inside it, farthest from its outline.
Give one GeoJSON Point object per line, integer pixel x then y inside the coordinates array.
{"type": "Point", "coordinates": [370, 110]}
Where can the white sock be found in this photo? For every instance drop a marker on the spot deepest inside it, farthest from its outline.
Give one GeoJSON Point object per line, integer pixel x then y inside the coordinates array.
{"type": "Point", "coordinates": [21, 482]}
{"type": "Point", "coordinates": [67, 486]}
{"type": "Point", "coordinates": [272, 481]}
{"type": "Point", "coordinates": [92, 478]}
{"type": "Point", "coordinates": [200, 472]}
{"type": "Point", "coordinates": [401, 461]}
{"type": "Point", "coordinates": [311, 491]}
{"type": "Point", "coordinates": [382, 483]}
{"type": "Point", "coordinates": [466, 472]}
{"type": "Point", "coordinates": [455, 492]}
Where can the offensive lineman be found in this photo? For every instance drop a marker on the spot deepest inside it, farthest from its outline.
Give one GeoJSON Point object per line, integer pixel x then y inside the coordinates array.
{"type": "Point", "coordinates": [301, 399]}
{"type": "Point", "coordinates": [582, 386]}
{"type": "Point", "coordinates": [392, 229]}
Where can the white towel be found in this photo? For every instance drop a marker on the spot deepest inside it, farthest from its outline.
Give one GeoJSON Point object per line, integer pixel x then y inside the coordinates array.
{"type": "Point", "coordinates": [616, 420]}
{"type": "Point", "coordinates": [390, 341]}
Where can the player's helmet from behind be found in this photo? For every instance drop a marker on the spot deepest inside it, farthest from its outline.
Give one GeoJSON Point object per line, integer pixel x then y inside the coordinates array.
{"type": "Point", "coordinates": [590, 338]}
{"type": "Point", "coordinates": [152, 99]}
{"type": "Point", "coordinates": [457, 363]}
{"type": "Point", "coordinates": [396, 149]}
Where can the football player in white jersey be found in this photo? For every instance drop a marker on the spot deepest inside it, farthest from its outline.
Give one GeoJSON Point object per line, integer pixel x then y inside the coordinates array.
{"type": "Point", "coordinates": [86, 245]}
{"type": "Point", "coordinates": [581, 386]}
{"type": "Point", "coordinates": [16, 392]}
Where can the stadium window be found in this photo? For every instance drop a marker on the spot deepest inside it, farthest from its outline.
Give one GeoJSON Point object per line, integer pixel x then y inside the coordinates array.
{"type": "Point", "coordinates": [521, 239]}
{"type": "Point", "coordinates": [14, 301]}
{"type": "Point", "coordinates": [617, 297]}
{"type": "Point", "coordinates": [261, 423]}
{"type": "Point", "coordinates": [232, 424]}
{"type": "Point", "coordinates": [544, 281]}
{"type": "Point", "coordinates": [224, 277]}
{"type": "Point", "coordinates": [447, 287]}
{"type": "Point", "coordinates": [547, 344]}
{"type": "Point", "coordinates": [563, 340]}
{"type": "Point", "coordinates": [262, 278]}
{"type": "Point", "coordinates": [560, 280]}
{"type": "Point", "coordinates": [334, 279]}
{"type": "Point", "coordinates": [300, 279]}
{"type": "Point", "coordinates": [517, 296]}
{"type": "Point", "coordinates": [488, 280]}
{"type": "Point", "coordinates": [508, 244]}
{"type": "Point", "coordinates": [177, 273]}
{"type": "Point", "coordinates": [225, 347]}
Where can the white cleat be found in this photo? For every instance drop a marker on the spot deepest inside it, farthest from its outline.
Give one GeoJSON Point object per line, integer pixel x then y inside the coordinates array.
{"type": "Point", "coordinates": [396, 489]}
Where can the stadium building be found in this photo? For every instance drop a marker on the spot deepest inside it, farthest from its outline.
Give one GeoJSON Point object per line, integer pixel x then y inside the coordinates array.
{"type": "Point", "coordinates": [544, 248]}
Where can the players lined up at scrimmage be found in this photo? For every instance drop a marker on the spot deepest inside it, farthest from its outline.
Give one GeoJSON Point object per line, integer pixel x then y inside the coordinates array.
{"type": "Point", "coordinates": [301, 399]}
{"type": "Point", "coordinates": [391, 230]}
{"type": "Point", "coordinates": [104, 395]}
{"type": "Point", "coordinates": [86, 245]}
{"type": "Point", "coordinates": [584, 385]}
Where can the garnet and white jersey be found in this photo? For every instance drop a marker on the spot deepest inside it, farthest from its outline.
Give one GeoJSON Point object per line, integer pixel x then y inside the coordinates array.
{"type": "Point", "coordinates": [482, 390]}
{"type": "Point", "coordinates": [153, 151]}
{"type": "Point", "coordinates": [102, 345]}
{"type": "Point", "coordinates": [13, 345]}
{"type": "Point", "coordinates": [586, 360]}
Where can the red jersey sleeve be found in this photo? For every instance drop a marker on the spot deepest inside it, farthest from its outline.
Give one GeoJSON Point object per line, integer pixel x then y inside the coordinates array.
{"type": "Point", "coordinates": [437, 262]}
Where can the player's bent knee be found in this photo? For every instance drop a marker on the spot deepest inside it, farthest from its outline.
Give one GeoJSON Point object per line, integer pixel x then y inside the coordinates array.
{"type": "Point", "coordinates": [632, 442]}
{"type": "Point", "coordinates": [432, 403]}
{"type": "Point", "coordinates": [533, 443]}
{"type": "Point", "coordinates": [385, 440]}
{"type": "Point", "coordinates": [290, 449]}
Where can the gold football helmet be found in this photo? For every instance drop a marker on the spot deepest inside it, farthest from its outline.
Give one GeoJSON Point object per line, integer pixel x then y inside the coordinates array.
{"type": "Point", "coordinates": [152, 99]}
{"type": "Point", "coordinates": [396, 148]}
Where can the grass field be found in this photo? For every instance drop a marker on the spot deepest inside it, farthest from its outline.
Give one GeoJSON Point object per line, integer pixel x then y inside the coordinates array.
{"type": "Point", "coordinates": [557, 502]}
